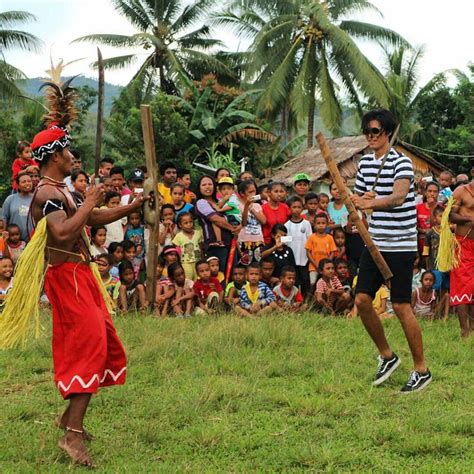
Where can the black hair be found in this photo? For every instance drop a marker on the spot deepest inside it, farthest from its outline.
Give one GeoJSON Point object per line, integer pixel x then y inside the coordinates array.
{"type": "Point", "coordinates": [167, 206]}
{"type": "Point", "coordinates": [95, 229]}
{"type": "Point", "coordinates": [180, 217]}
{"type": "Point", "coordinates": [428, 272]}
{"type": "Point", "coordinates": [261, 187]}
{"type": "Point", "coordinates": [177, 185]}
{"type": "Point", "coordinates": [383, 116]}
{"type": "Point", "coordinates": [439, 209]}
{"type": "Point", "coordinates": [337, 229]}
{"type": "Point", "coordinates": [117, 170]}
{"type": "Point", "coordinates": [75, 153]}
{"type": "Point", "coordinates": [294, 199]}
{"type": "Point", "coordinates": [161, 257]}
{"type": "Point", "coordinates": [76, 173]}
{"type": "Point", "coordinates": [128, 244]}
{"type": "Point", "coordinates": [113, 246]}
{"type": "Point", "coordinates": [311, 196]}
{"type": "Point", "coordinates": [243, 172]}
{"type": "Point", "coordinates": [340, 261]}
{"type": "Point", "coordinates": [324, 262]}
{"type": "Point", "coordinates": [167, 165]}
{"type": "Point", "coordinates": [123, 266]}
{"type": "Point", "coordinates": [20, 175]}
{"type": "Point", "coordinates": [253, 264]}
{"type": "Point", "coordinates": [201, 262]}
{"type": "Point", "coordinates": [20, 146]}
{"type": "Point", "coordinates": [198, 190]}
{"type": "Point", "coordinates": [321, 195]}
{"type": "Point", "coordinates": [287, 269]}
{"type": "Point", "coordinates": [273, 184]}
{"type": "Point", "coordinates": [244, 185]}
{"type": "Point", "coordinates": [172, 269]}
{"type": "Point", "coordinates": [266, 260]}
{"type": "Point", "coordinates": [13, 226]}
{"type": "Point", "coordinates": [279, 228]}
{"type": "Point", "coordinates": [220, 169]}
{"type": "Point", "coordinates": [433, 183]}
{"type": "Point", "coordinates": [180, 172]}
{"type": "Point", "coordinates": [239, 266]}
{"type": "Point", "coordinates": [110, 195]}
{"type": "Point", "coordinates": [105, 256]}
{"type": "Point", "coordinates": [108, 160]}
{"type": "Point", "coordinates": [321, 215]}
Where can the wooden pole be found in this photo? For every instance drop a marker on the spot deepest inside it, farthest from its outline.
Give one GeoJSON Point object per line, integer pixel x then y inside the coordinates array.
{"type": "Point", "coordinates": [100, 115]}
{"type": "Point", "coordinates": [345, 195]}
{"type": "Point", "coordinates": [152, 169]}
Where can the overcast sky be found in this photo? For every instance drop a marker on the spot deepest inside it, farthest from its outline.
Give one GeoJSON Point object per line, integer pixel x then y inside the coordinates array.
{"type": "Point", "coordinates": [445, 28]}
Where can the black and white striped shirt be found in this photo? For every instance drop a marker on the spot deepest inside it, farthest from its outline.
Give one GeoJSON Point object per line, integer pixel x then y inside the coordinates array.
{"type": "Point", "coordinates": [392, 230]}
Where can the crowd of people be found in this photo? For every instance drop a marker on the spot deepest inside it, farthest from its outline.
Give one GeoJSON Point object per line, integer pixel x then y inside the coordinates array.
{"type": "Point", "coordinates": [227, 243]}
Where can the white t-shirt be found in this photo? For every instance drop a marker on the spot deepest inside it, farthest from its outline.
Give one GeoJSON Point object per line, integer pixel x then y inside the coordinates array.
{"type": "Point", "coordinates": [300, 231]}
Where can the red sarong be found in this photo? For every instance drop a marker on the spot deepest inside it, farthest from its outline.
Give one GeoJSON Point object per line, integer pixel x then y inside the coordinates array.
{"type": "Point", "coordinates": [87, 352]}
{"type": "Point", "coordinates": [462, 278]}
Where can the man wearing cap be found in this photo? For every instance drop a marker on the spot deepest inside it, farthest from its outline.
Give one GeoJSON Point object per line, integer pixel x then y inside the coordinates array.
{"type": "Point", "coordinates": [301, 184]}
{"type": "Point", "coordinates": [136, 180]}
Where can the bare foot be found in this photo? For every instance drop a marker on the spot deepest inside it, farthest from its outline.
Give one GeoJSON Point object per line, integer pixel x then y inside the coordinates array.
{"type": "Point", "coordinates": [61, 422]}
{"type": "Point", "coordinates": [73, 445]}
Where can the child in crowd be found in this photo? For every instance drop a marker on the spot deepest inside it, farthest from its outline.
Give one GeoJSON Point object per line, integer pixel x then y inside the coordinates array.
{"type": "Point", "coordinates": [275, 210]}
{"type": "Point", "coordinates": [342, 272]}
{"type": "Point", "coordinates": [323, 205]}
{"type": "Point", "coordinates": [177, 196]}
{"type": "Point", "coordinates": [251, 236]}
{"type": "Point", "coordinates": [336, 209]}
{"type": "Point", "coordinates": [6, 278]}
{"type": "Point", "coordinates": [445, 181]}
{"type": "Point", "coordinates": [256, 297]}
{"type": "Point", "coordinates": [117, 176]}
{"type": "Point", "coordinates": [417, 272]}
{"type": "Point", "coordinates": [301, 185]}
{"type": "Point", "coordinates": [380, 303]}
{"type": "Point", "coordinates": [229, 205]}
{"type": "Point", "coordinates": [287, 294]}
{"type": "Point", "coordinates": [98, 238]}
{"type": "Point", "coordinates": [330, 293]}
{"type": "Point", "coordinates": [182, 302]}
{"type": "Point", "coordinates": [168, 256]}
{"type": "Point", "coordinates": [3, 241]}
{"type": "Point", "coordinates": [168, 227]}
{"type": "Point", "coordinates": [215, 272]}
{"type": "Point", "coordinates": [131, 293]}
{"type": "Point", "coordinates": [107, 182]}
{"type": "Point", "coordinates": [114, 229]}
{"type": "Point", "coordinates": [207, 289]}
{"type": "Point", "coordinates": [130, 255]}
{"type": "Point", "coordinates": [116, 252]}
{"type": "Point", "coordinates": [299, 230]}
{"type": "Point", "coordinates": [267, 266]}
{"type": "Point", "coordinates": [430, 254]}
{"type": "Point", "coordinates": [190, 241]}
{"type": "Point", "coordinates": [136, 233]}
{"type": "Point", "coordinates": [24, 159]}
{"type": "Point", "coordinates": [234, 288]}
{"type": "Point", "coordinates": [279, 252]}
{"type": "Point", "coordinates": [15, 245]}
{"type": "Point", "coordinates": [311, 202]}
{"type": "Point", "coordinates": [112, 284]}
{"type": "Point", "coordinates": [262, 191]}
{"type": "Point", "coordinates": [320, 245]}
{"type": "Point", "coordinates": [184, 178]}
{"type": "Point", "coordinates": [339, 237]}
{"type": "Point", "coordinates": [423, 299]}
{"type": "Point", "coordinates": [165, 290]}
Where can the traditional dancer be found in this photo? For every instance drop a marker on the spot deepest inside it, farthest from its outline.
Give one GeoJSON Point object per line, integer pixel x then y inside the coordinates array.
{"type": "Point", "coordinates": [393, 229]}
{"type": "Point", "coordinates": [462, 276]}
{"type": "Point", "coordinates": [87, 352]}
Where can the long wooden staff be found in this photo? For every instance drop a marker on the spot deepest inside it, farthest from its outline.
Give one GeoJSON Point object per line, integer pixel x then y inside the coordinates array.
{"type": "Point", "coordinates": [100, 115]}
{"type": "Point", "coordinates": [152, 169]}
{"type": "Point", "coordinates": [345, 195]}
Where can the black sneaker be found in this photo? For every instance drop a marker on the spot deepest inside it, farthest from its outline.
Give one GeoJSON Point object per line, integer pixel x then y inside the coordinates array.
{"type": "Point", "coordinates": [417, 382]}
{"type": "Point", "coordinates": [386, 368]}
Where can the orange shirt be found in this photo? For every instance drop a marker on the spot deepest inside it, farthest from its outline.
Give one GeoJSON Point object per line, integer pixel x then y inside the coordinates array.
{"type": "Point", "coordinates": [320, 247]}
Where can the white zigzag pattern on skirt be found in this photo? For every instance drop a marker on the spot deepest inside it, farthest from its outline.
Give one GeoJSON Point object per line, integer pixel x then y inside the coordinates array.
{"type": "Point", "coordinates": [462, 299]}
{"type": "Point", "coordinates": [94, 378]}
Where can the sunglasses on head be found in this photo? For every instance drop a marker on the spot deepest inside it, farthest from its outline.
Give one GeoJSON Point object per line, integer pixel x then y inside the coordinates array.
{"type": "Point", "coordinates": [372, 131]}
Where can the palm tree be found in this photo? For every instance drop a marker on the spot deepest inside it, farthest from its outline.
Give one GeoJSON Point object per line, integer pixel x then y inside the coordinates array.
{"type": "Point", "coordinates": [303, 49]}
{"type": "Point", "coordinates": [10, 39]}
{"type": "Point", "coordinates": [172, 47]}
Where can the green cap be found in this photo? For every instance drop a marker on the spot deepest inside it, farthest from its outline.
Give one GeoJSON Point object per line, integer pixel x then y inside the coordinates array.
{"type": "Point", "coordinates": [301, 177]}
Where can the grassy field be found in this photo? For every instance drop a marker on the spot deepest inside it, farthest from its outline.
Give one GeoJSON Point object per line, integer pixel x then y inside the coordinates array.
{"type": "Point", "coordinates": [278, 394]}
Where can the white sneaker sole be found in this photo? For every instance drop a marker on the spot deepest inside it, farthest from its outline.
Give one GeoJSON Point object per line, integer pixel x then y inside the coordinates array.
{"type": "Point", "coordinates": [419, 389]}
{"type": "Point", "coordinates": [387, 374]}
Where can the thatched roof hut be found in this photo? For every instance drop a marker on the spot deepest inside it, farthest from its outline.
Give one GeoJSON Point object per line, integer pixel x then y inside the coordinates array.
{"type": "Point", "coordinates": [346, 152]}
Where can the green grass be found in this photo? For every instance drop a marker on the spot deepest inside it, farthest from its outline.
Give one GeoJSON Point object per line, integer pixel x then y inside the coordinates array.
{"type": "Point", "coordinates": [278, 394]}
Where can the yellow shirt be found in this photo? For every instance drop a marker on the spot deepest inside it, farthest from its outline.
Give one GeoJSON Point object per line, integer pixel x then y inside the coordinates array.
{"type": "Point", "coordinates": [165, 193]}
{"type": "Point", "coordinates": [382, 294]}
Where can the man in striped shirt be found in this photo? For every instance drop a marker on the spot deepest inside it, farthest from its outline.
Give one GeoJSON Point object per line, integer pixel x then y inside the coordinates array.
{"type": "Point", "coordinates": [392, 226]}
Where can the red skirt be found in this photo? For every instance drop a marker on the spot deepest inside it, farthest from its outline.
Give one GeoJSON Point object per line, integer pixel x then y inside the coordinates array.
{"type": "Point", "coordinates": [87, 352]}
{"type": "Point", "coordinates": [462, 278]}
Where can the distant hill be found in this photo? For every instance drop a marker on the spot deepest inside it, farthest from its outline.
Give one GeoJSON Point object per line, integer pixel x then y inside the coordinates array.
{"type": "Point", "coordinates": [30, 88]}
